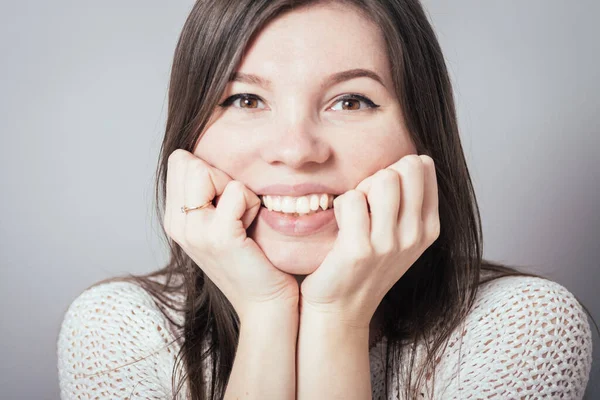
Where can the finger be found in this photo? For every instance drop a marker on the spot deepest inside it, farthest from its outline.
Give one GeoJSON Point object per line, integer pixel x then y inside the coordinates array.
{"type": "Point", "coordinates": [365, 185]}
{"type": "Point", "coordinates": [411, 171]}
{"type": "Point", "coordinates": [237, 203]}
{"type": "Point", "coordinates": [205, 182]}
{"type": "Point", "coordinates": [198, 189]}
{"type": "Point", "coordinates": [430, 213]}
{"type": "Point", "coordinates": [384, 201]}
{"type": "Point", "coordinates": [217, 178]}
{"type": "Point", "coordinates": [253, 204]}
{"type": "Point", "coordinates": [174, 196]}
{"type": "Point", "coordinates": [201, 185]}
{"type": "Point", "coordinates": [353, 220]}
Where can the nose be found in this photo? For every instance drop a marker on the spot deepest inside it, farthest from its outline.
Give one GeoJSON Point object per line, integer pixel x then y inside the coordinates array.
{"type": "Point", "coordinates": [296, 144]}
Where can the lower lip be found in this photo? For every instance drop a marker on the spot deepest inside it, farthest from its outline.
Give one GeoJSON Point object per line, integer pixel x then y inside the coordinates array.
{"type": "Point", "coordinates": [290, 225]}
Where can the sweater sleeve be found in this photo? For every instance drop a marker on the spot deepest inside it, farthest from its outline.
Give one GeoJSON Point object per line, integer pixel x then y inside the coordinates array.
{"type": "Point", "coordinates": [525, 338]}
{"type": "Point", "coordinates": [114, 342]}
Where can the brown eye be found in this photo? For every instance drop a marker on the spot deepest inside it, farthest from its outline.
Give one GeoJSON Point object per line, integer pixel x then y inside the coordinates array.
{"type": "Point", "coordinates": [248, 102]}
{"type": "Point", "coordinates": [350, 105]}
{"type": "Point", "coordinates": [353, 102]}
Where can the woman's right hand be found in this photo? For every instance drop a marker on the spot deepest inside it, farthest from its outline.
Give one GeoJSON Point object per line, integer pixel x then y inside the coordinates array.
{"type": "Point", "coordinates": [215, 237]}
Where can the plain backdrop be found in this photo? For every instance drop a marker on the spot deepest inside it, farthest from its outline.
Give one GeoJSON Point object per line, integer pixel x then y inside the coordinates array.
{"type": "Point", "coordinates": [82, 112]}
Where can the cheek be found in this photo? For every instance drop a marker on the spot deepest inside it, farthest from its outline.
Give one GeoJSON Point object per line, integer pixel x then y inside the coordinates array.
{"type": "Point", "coordinates": [361, 158]}
{"type": "Point", "coordinates": [224, 149]}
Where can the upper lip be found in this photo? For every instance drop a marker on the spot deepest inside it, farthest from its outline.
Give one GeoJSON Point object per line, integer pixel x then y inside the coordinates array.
{"type": "Point", "coordinates": [300, 189]}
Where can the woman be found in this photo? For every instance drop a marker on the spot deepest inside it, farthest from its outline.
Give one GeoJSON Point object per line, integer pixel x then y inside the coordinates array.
{"type": "Point", "coordinates": [324, 234]}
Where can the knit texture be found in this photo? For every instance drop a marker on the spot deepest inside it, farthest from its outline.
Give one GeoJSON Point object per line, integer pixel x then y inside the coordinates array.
{"type": "Point", "coordinates": [525, 338]}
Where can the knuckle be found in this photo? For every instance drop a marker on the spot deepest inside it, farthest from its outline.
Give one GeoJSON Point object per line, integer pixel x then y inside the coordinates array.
{"type": "Point", "coordinates": [386, 176]}
{"type": "Point", "coordinates": [436, 231]}
{"type": "Point", "coordinates": [413, 161]}
{"type": "Point", "coordinates": [387, 246]}
{"type": "Point", "coordinates": [414, 158]}
{"type": "Point", "coordinates": [350, 193]}
{"type": "Point", "coordinates": [354, 195]}
{"type": "Point", "coordinates": [425, 159]}
{"type": "Point", "coordinates": [414, 238]}
{"type": "Point", "coordinates": [175, 157]}
{"type": "Point", "coordinates": [197, 169]}
{"type": "Point", "coordinates": [233, 188]}
{"type": "Point", "coordinates": [362, 252]}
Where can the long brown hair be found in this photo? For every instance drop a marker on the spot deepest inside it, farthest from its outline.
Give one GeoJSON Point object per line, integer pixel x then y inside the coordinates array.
{"type": "Point", "coordinates": [438, 290]}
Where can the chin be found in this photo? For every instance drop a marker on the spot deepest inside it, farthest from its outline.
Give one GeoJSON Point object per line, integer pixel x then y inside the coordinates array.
{"type": "Point", "coordinates": [294, 255]}
{"type": "Point", "coordinates": [295, 258]}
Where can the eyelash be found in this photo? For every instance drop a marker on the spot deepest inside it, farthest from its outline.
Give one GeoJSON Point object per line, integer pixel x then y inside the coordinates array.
{"type": "Point", "coordinates": [370, 105]}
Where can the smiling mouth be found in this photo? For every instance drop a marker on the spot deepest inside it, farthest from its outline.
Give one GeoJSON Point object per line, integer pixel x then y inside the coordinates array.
{"type": "Point", "coordinates": [299, 206]}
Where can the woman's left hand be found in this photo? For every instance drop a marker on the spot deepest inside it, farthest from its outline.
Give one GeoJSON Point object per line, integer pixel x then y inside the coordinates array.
{"type": "Point", "coordinates": [373, 250]}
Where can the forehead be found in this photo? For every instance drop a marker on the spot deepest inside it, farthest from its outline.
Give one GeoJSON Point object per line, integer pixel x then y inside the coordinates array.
{"type": "Point", "coordinates": [316, 41]}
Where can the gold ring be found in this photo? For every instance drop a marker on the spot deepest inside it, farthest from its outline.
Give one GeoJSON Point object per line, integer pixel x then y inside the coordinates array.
{"type": "Point", "coordinates": [185, 209]}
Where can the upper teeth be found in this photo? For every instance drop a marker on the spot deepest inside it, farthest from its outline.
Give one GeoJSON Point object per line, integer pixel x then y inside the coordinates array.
{"type": "Point", "coordinates": [300, 205]}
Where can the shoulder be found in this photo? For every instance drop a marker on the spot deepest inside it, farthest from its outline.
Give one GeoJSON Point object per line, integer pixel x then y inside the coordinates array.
{"type": "Point", "coordinates": [510, 302]}
{"type": "Point", "coordinates": [524, 336]}
{"type": "Point", "coordinates": [114, 339]}
{"type": "Point", "coordinates": [525, 289]}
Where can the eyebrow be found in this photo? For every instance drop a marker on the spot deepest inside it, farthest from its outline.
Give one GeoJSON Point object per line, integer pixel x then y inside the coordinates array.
{"type": "Point", "coordinates": [333, 79]}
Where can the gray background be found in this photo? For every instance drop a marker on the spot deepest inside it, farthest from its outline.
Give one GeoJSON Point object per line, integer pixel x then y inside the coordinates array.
{"type": "Point", "coordinates": [83, 103]}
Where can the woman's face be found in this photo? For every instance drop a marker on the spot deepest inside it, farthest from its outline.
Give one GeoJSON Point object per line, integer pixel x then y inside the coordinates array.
{"type": "Point", "coordinates": [295, 130]}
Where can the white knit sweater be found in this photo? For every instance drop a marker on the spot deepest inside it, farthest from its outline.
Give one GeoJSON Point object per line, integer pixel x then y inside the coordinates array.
{"type": "Point", "coordinates": [526, 338]}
